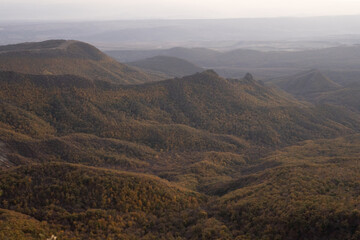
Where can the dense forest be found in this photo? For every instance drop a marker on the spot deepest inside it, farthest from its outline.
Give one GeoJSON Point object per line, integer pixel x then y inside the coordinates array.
{"type": "Point", "coordinates": [196, 157]}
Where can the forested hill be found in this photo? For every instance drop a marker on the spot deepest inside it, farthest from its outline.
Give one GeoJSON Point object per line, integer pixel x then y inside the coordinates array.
{"type": "Point", "coordinates": [198, 157]}
{"type": "Point", "coordinates": [204, 101]}
{"type": "Point", "coordinates": [59, 57]}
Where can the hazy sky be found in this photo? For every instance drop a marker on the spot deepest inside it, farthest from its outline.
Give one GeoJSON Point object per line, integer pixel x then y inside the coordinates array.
{"type": "Point", "coordinates": [163, 9]}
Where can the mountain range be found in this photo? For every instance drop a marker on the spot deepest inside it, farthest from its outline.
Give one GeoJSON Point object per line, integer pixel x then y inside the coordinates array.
{"type": "Point", "coordinates": [341, 60]}
{"type": "Point", "coordinates": [88, 156]}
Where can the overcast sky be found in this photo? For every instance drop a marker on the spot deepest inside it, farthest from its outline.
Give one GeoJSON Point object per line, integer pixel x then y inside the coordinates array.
{"type": "Point", "coordinates": [173, 9]}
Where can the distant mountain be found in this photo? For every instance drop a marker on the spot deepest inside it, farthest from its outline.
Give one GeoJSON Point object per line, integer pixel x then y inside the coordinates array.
{"type": "Point", "coordinates": [335, 57]}
{"type": "Point", "coordinates": [59, 57]}
{"type": "Point", "coordinates": [265, 64]}
{"type": "Point", "coordinates": [171, 66]}
{"type": "Point", "coordinates": [315, 87]}
{"type": "Point", "coordinates": [305, 83]}
{"type": "Point", "coordinates": [195, 55]}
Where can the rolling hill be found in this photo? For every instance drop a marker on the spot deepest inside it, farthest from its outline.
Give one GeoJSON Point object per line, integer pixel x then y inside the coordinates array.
{"type": "Point", "coordinates": [83, 201]}
{"type": "Point", "coordinates": [147, 123]}
{"type": "Point", "coordinates": [303, 197]}
{"type": "Point", "coordinates": [197, 157]}
{"type": "Point", "coordinates": [59, 57]}
{"type": "Point", "coordinates": [203, 101]}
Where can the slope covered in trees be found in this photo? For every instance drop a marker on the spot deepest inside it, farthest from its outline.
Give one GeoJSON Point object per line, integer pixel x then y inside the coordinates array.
{"type": "Point", "coordinates": [198, 157]}
{"type": "Point", "coordinates": [90, 202]}
{"type": "Point", "coordinates": [205, 101]}
{"type": "Point", "coordinates": [17, 226]}
{"type": "Point", "coordinates": [144, 123]}
{"type": "Point", "coordinates": [306, 194]}
{"type": "Point", "coordinates": [313, 193]}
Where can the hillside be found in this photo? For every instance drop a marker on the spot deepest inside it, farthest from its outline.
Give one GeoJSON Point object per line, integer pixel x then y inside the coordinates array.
{"type": "Point", "coordinates": [17, 226]}
{"type": "Point", "coordinates": [83, 201]}
{"type": "Point", "coordinates": [59, 57]}
{"type": "Point", "coordinates": [203, 101]}
{"type": "Point", "coordinates": [197, 157]}
{"type": "Point", "coordinates": [303, 197]}
{"type": "Point", "coordinates": [306, 83]}
{"type": "Point", "coordinates": [304, 194]}
{"type": "Point", "coordinates": [171, 66]}
{"type": "Point", "coordinates": [202, 112]}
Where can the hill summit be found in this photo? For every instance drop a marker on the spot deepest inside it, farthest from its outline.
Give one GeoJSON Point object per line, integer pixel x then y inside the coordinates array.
{"type": "Point", "coordinates": [68, 48]}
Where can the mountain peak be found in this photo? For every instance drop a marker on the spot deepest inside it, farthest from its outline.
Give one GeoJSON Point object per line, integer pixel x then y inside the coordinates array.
{"type": "Point", "coordinates": [248, 77]}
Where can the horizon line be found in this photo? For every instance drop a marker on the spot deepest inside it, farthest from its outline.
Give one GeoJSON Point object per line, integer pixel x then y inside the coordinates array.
{"type": "Point", "coordinates": [32, 20]}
